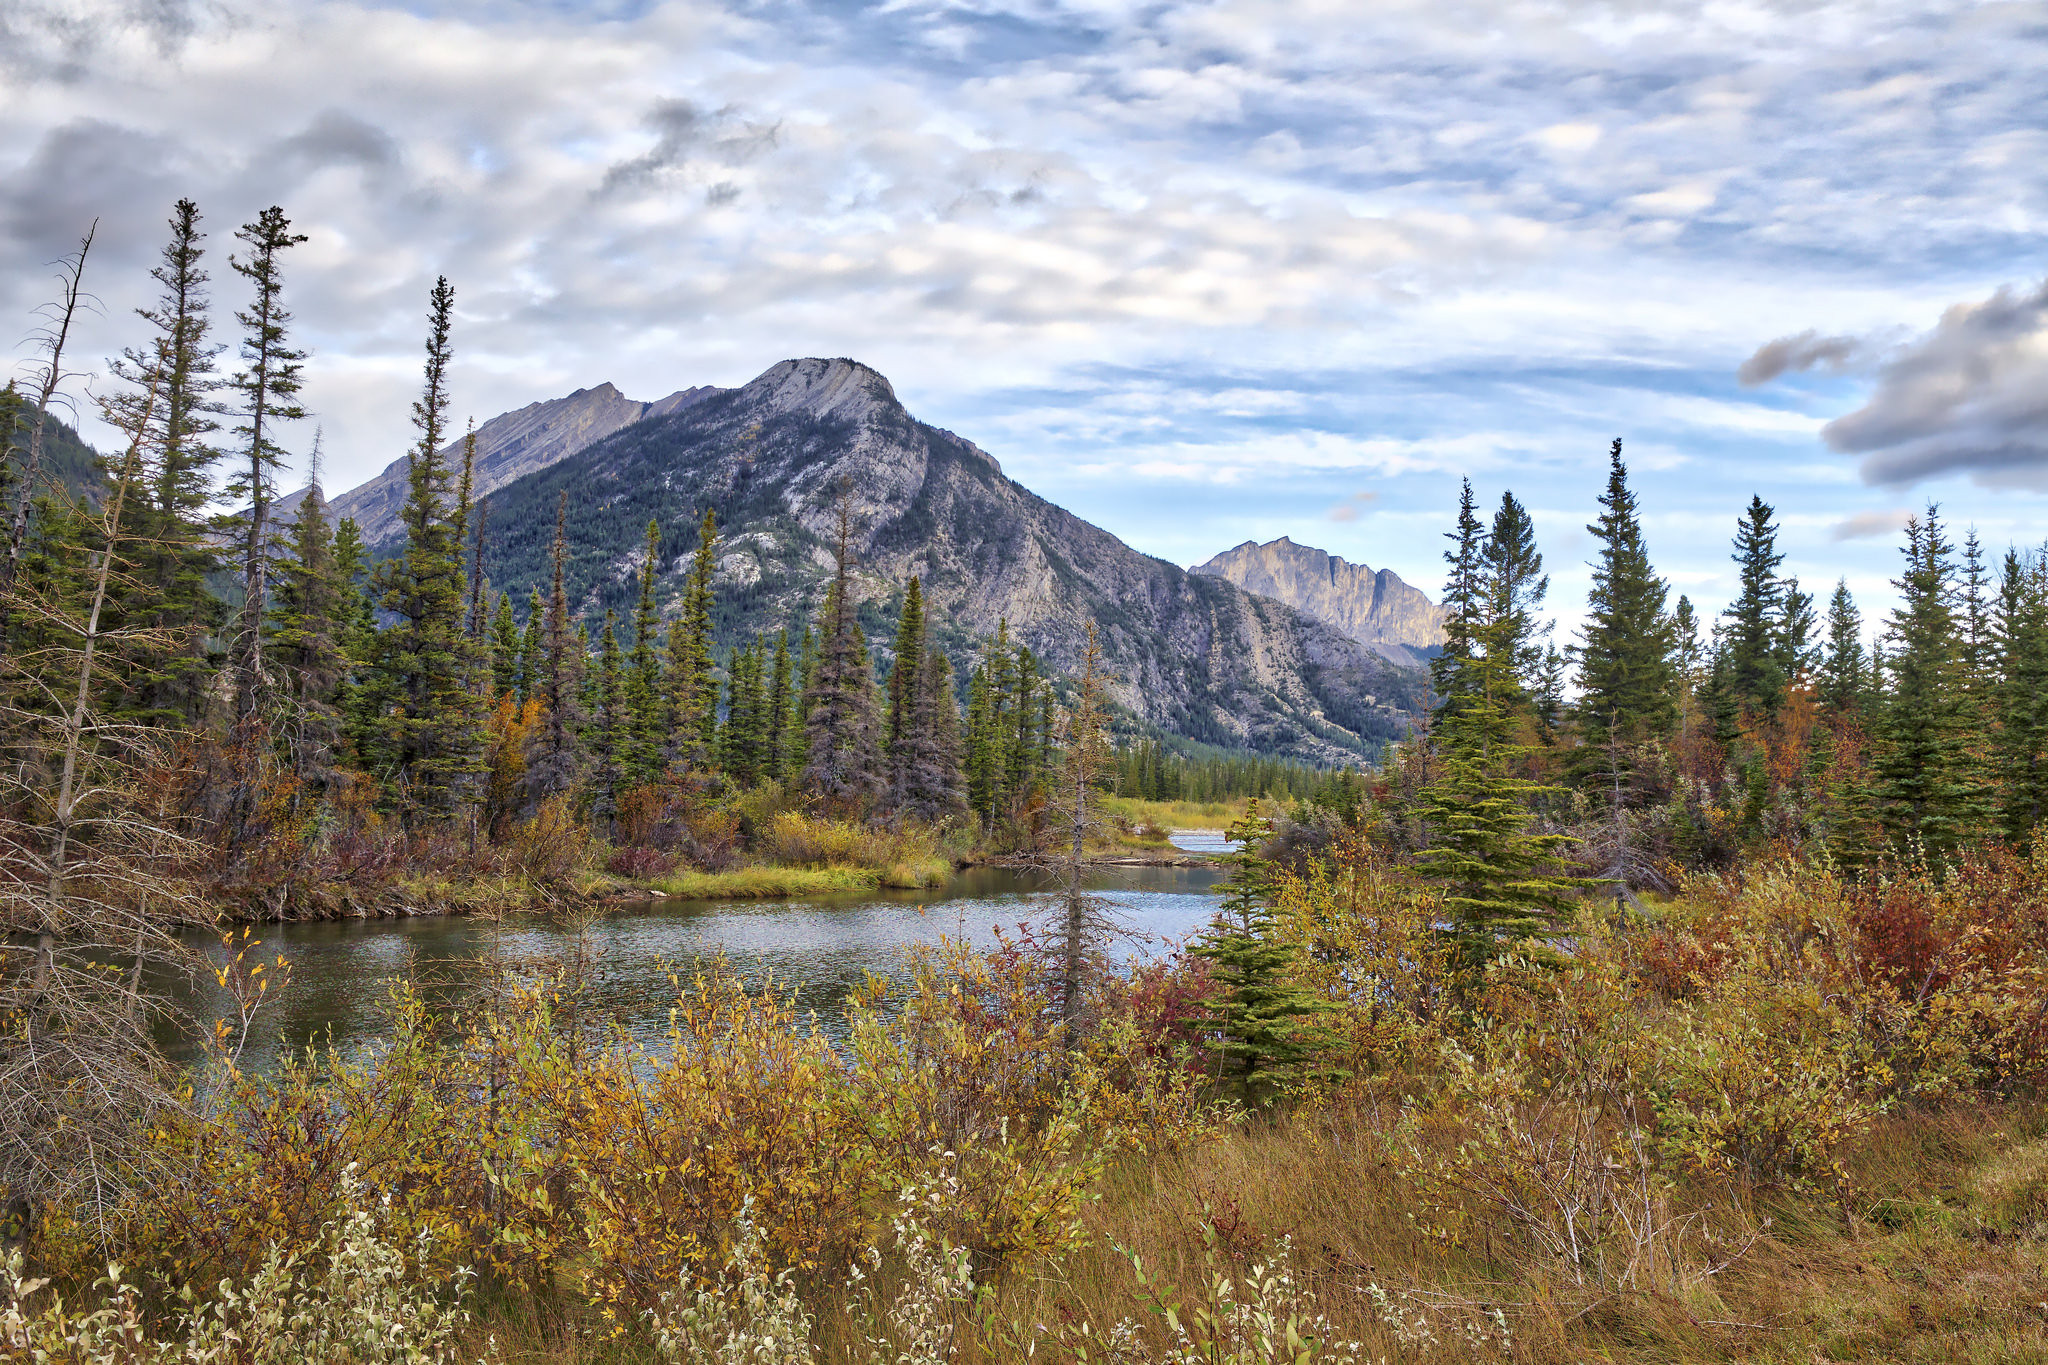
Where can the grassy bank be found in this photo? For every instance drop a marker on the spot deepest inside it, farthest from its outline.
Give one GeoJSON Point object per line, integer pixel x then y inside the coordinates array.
{"type": "Point", "coordinates": [1171, 815]}
{"type": "Point", "coordinates": [770, 883]}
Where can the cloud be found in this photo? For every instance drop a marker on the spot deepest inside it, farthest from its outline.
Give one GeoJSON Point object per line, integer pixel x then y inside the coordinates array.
{"type": "Point", "coordinates": [1801, 352]}
{"type": "Point", "coordinates": [1869, 525]}
{"type": "Point", "coordinates": [1969, 396]}
{"type": "Point", "coordinates": [1349, 509]}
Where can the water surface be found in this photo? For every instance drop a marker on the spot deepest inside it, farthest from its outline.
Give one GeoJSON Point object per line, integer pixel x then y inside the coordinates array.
{"type": "Point", "coordinates": [820, 947]}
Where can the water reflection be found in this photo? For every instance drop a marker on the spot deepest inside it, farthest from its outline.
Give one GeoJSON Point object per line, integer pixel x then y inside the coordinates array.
{"type": "Point", "coordinates": [821, 947]}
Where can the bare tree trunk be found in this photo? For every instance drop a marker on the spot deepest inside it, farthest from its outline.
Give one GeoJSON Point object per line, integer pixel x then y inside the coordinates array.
{"type": "Point", "coordinates": [53, 375]}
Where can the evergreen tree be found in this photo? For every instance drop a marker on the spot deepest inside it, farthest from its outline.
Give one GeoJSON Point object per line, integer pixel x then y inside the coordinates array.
{"type": "Point", "coordinates": [167, 681]}
{"type": "Point", "coordinates": [505, 651]}
{"type": "Point", "coordinates": [269, 386]}
{"type": "Point", "coordinates": [532, 648]}
{"type": "Point", "coordinates": [691, 690]}
{"type": "Point", "coordinates": [360, 693]}
{"type": "Point", "coordinates": [644, 703]}
{"type": "Point", "coordinates": [781, 717]}
{"type": "Point", "coordinates": [2020, 750]}
{"type": "Point", "coordinates": [556, 762]}
{"type": "Point", "coordinates": [1625, 671]}
{"type": "Point", "coordinates": [1756, 658]}
{"type": "Point", "coordinates": [610, 728]}
{"type": "Point", "coordinates": [1688, 662]}
{"type": "Point", "coordinates": [1500, 880]}
{"type": "Point", "coordinates": [983, 785]}
{"type": "Point", "coordinates": [1451, 672]}
{"type": "Point", "coordinates": [307, 623]}
{"type": "Point", "coordinates": [743, 739]}
{"type": "Point", "coordinates": [433, 734]}
{"type": "Point", "coordinates": [1842, 680]}
{"type": "Point", "coordinates": [1980, 650]}
{"type": "Point", "coordinates": [932, 786]}
{"type": "Point", "coordinates": [1797, 653]}
{"type": "Point", "coordinates": [1931, 801]}
{"type": "Point", "coordinates": [1264, 1024]}
{"type": "Point", "coordinates": [842, 730]}
{"type": "Point", "coordinates": [1020, 738]}
{"type": "Point", "coordinates": [1513, 585]}
{"type": "Point", "coordinates": [904, 676]}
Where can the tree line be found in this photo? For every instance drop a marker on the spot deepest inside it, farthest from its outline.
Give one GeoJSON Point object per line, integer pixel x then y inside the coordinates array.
{"type": "Point", "coordinates": [1659, 742]}
{"type": "Point", "coordinates": [410, 684]}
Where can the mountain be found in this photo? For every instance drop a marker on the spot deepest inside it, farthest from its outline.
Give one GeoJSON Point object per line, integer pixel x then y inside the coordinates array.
{"type": "Point", "coordinates": [508, 447]}
{"type": "Point", "coordinates": [1375, 608]}
{"type": "Point", "coordinates": [1193, 655]}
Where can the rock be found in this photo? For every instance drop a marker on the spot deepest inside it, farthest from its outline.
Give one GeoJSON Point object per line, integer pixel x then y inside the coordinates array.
{"type": "Point", "coordinates": [1374, 608]}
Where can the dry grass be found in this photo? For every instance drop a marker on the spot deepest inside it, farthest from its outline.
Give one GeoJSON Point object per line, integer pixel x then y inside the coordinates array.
{"type": "Point", "coordinates": [1216, 815]}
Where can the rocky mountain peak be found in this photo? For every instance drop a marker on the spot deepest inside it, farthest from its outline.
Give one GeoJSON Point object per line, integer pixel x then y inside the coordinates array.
{"type": "Point", "coordinates": [1371, 606]}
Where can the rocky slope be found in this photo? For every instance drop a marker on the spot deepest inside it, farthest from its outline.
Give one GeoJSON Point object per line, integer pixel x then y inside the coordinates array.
{"type": "Point", "coordinates": [1376, 608]}
{"type": "Point", "coordinates": [1193, 655]}
{"type": "Point", "coordinates": [508, 447]}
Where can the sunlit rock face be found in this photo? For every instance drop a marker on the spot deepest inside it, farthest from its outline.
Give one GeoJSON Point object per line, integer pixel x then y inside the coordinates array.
{"type": "Point", "coordinates": [1373, 607]}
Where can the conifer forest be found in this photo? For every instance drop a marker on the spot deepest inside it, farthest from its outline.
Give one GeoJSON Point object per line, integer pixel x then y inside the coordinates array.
{"type": "Point", "coordinates": [1677, 991]}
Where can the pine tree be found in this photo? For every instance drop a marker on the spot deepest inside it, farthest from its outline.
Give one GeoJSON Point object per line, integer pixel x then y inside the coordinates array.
{"type": "Point", "coordinates": [1501, 881]}
{"type": "Point", "coordinates": [1513, 585]}
{"type": "Point", "coordinates": [1264, 1025]}
{"type": "Point", "coordinates": [1930, 799]}
{"type": "Point", "coordinates": [532, 647]}
{"type": "Point", "coordinates": [269, 386]}
{"type": "Point", "coordinates": [691, 690]}
{"type": "Point", "coordinates": [1980, 650]}
{"type": "Point", "coordinates": [1625, 674]}
{"type": "Point", "coordinates": [904, 676]}
{"type": "Point", "coordinates": [505, 651]}
{"type": "Point", "coordinates": [1020, 734]}
{"type": "Point", "coordinates": [1756, 671]}
{"type": "Point", "coordinates": [1451, 672]}
{"type": "Point", "coordinates": [842, 730]}
{"type": "Point", "coordinates": [168, 683]}
{"type": "Point", "coordinates": [2020, 749]}
{"type": "Point", "coordinates": [742, 740]}
{"type": "Point", "coordinates": [433, 733]}
{"type": "Point", "coordinates": [555, 764]}
{"type": "Point", "coordinates": [361, 694]}
{"type": "Point", "coordinates": [307, 623]}
{"type": "Point", "coordinates": [982, 784]}
{"type": "Point", "coordinates": [780, 712]}
{"type": "Point", "coordinates": [933, 787]}
{"type": "Point", "coordinates": [1797, 653]}
{"type": "Point", "coordinates": [1688, 662]}
{"type": "Point", "coordinates": [1842, 679]}
{"type": "Point", "coordinates": [644, 703]}
{"type": "Point", "coordinates": [610, 728]}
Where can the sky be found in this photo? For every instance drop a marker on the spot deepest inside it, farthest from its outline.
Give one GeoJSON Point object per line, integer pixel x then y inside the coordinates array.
{"type": "Point", "coordinates": [1202, 271]}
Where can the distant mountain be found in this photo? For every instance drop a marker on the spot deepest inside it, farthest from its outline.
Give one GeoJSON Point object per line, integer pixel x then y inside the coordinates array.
{"type": "Point", "coordinates": [1374, 608]}
{"type": "Point", "coordinates": [1193, 655]}
{"type": "Point", "coordinates": [508, 447]}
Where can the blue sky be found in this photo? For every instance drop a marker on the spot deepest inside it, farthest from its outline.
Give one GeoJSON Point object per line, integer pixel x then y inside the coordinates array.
{"type": "Point", "coordinates": [1201, 272]}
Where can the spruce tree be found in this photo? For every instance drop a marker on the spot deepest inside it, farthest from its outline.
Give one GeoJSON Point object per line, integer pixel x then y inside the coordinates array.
{"type": "Point", "coordinates": [1798, 654]}
{"type": "Point", "coordinates": [555, 764]}
{"type": "Point", "coordinates": [842, 729]}
{"type": "Point", "coordinates": [1756, 657]}
{"type": "Point", "coordinates": [982, 783]}
{"type": "Point", "coordinates": [781, 702]}
{"type": "Point", "coordinates": [532, 647]}
{"type": "Point", "coordinates": [1513, 585]}
{"type": "Point", "coordinates": [167, 682]}
{"type": "Point", "coordinates": [904, 676]}
{"type": "Point", "coordinates": [691, 692]}
{"type": "Point", "coordinates": [741, 741]}
{"type": "Point", "coordinates": [307, 622]}
{"type": "Point", "coordinates": [433, 734]}
{"type": "Point", "coordinates": [1262, 1024]}
{"type": "Point", "coordinates": [1464, 604]}
{"type": "Point", "coordinates": [1842, 680]}
{"type": "Point", "coordinates": [505, 651]}
{"type": "Point", "coordinates": [1625, 674]}
{"type": "Point", "coordinates": [933, 786]}
{"type": "Point", "coordinates": [644, 759]}
{"type": "Point", "coordinates": [269, 387]}
{"type": "Point", "coordinates": [2020, 749]}
{"type": "Point", "coordinates": [361, 694]}
{"type": "Point", "coordinates": [1930, 799]}
{"type": "Point", "coordinates": [1688, 663]}
{"type": "Point", "coordinates": [610, 735]}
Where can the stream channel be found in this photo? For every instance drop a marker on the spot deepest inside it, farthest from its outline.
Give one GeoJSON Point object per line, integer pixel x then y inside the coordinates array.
{"type": "Point", "coordinates": [821, 947]}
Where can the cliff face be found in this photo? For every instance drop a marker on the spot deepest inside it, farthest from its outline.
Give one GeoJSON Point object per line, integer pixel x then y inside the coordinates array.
{"type": "Point", "coordinates": [508, 447]}
{"type": "Point", "coordinates": [1373, 607]}
{"type": "Point", "coordinates": [1193, 655]}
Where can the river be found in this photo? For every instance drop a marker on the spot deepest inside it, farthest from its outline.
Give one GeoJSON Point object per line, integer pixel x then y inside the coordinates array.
{"type": "Point", "coordinates": [820, 947]}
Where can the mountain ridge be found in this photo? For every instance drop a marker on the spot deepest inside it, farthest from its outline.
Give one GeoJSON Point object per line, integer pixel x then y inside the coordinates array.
{"type": "Point", "coordinates": [1376, 607]}
{"type": "Point", "coordinates": [1195, 655]}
